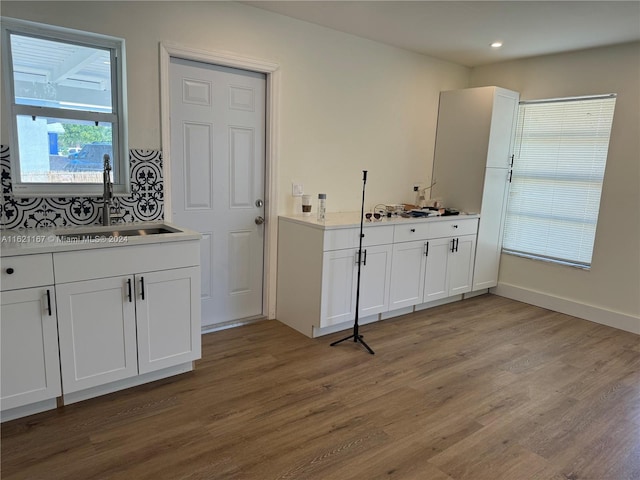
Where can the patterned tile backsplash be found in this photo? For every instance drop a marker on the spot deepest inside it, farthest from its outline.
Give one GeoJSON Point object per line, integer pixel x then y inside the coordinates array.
{"type": "Point", "coordinates": [145, 203]}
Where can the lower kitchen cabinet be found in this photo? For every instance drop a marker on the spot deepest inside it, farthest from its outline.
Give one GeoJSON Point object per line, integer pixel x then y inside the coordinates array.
{"type": "Point", "coordinates": [428, 270]}
{"type": "Point", "coordinates": [375, 281]}
{"type": "Point", "coordinates": [114, 328]}
{"type": "Point", "coordinates": [29, 355]}
{"type": "Point", "coordinates": [339, 283]}
{"type": "Point", "coordinates": [460, 265]}
{"type": "Point", "coordinates": [338, 302]}
{"type": "Point", "coordinates": [404, 263]}
{"type": "Point", "coordinates": [82, 322]}
{"type": "Point", "coordinates": [168, 318]}
{"type": "Point", "coordinates": [407, 274]}
{"type": "Point", "coordinates": [449, 267]}
{"type": "Point", "coordinates": [97, 329]}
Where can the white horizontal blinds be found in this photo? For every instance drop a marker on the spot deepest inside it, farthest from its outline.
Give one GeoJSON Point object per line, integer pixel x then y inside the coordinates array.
{"type": "Point", "coordinates": [561, 152]}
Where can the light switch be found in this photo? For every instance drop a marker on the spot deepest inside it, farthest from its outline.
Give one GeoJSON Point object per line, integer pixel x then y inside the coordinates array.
{"type": "Point", "coordinates": [297, 189]}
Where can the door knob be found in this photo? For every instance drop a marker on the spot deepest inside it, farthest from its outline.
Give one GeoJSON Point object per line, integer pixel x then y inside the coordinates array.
{"type": "Point", "coordinates": [259, 203]}
{"type": "Point", "coordinates": [259, 220]}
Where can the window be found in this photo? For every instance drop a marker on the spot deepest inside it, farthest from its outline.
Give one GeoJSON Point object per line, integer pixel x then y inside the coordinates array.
{"type": "Point", "coordinates": [66, 97]}
{"type": "Point", "coordinates": [560, 156]}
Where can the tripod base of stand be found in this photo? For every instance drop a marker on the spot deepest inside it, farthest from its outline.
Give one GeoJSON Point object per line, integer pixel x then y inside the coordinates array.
{"type": "Point", "coordinates": [356, 339]}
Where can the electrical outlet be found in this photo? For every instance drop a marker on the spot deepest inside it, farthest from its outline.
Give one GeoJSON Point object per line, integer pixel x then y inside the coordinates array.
{"type": "Point", "coordinates": [297, 189]}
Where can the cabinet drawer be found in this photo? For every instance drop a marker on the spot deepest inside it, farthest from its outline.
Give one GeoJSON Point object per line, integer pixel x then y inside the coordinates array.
{"type": "Point", "coordinates": [375, 235]}
{"type": "Point", "coordinates": [341, 238]}
{"type": "Point", "coordinates": [125, 260]}
{"type": "Point", "coordinates": [26, 271]}
{"type": "Point", "coordinates": [411, 232]}
{"type": "Point", "coordinates": [450, 228]}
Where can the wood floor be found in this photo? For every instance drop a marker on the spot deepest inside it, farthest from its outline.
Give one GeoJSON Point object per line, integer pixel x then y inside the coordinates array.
{"type": "Point", "coordinates": [484, 389]}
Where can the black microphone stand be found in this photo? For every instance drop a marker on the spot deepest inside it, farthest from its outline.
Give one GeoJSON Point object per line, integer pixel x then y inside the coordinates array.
{"type": "Point", "coordinates": [356, 336]}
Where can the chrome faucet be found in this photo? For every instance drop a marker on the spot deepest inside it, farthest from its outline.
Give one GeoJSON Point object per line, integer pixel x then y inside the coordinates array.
{"type": "Point", "coordinates": [107, 191]}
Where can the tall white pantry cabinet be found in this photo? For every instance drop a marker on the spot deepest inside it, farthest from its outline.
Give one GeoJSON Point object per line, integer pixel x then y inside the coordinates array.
{"type": "Point", "coordinates": [472, 165]}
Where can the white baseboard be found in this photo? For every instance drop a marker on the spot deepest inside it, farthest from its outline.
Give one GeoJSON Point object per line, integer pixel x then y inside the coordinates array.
{"type": "Point", "coordinates": [592, 313]}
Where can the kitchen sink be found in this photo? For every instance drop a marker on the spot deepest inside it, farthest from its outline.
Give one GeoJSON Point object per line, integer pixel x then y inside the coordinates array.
{"type": "Point", "coordinates": [125, 232]}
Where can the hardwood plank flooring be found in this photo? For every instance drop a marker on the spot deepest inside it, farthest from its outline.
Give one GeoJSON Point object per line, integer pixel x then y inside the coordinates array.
{"type": "Point", "coordinates": [483, 389]}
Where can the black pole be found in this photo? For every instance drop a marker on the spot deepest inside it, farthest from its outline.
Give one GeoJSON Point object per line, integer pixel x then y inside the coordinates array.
{"type": "Point", "coordinates": [356, 335]}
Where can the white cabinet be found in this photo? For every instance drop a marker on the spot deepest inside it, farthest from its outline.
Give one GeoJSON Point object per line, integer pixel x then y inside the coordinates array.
{"type": "Point", "coordinates": [81, 320]}
{"type": "Point", "coordinates": [491, 228]}
{"type": "Point", "coordinates": [429, 270]}
{"type": "Point", "coordinates": [116, 328]}
{"type": "Point", "coordinates": [168, 318]}
{"type": "Point", "coordinates": [30, 367]}
{"type": "Point", "coordinates": [97, 328]}
{"type": "Point", "coordinates": [30, 377]}
{"type": "Point", "coordinates": [375, 280]}
{"type": "Point", "coordinates": [472, 159]}
{"type": "Point", "coordinates": [339, 283]}
{"type": "Point", "coordinates": [436, 283]}
{"type": "Point", "coordinates": [460, 265]}
{"type": "Point", "coordinates": [407, 274]}
{"type": "Point", "coordinates": [403, 263]}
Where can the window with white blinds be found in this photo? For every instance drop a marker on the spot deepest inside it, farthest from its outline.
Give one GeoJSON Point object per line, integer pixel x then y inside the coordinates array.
{"type": "Point", "coordinates": [560, 151]}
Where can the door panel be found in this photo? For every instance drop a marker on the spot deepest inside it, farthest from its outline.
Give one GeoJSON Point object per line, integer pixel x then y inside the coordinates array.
{"type": "Point", "coordinates": [407, 274]}
{"type": "Point", "coordinates": [338, 287]}
{"type": "Point", "coordinates": [436, 281]}
{"type": "Point", "coordinates": [490, 228]}
{"type": "Point", "coordinates": [375, 279]}
{"type": "Point", "coordinates": [197, 186]}
{"type": "Point", "coordinates": [168, 332]}
{"type": "Point", "coordinates": [241, 155]}
{"type": "Point", "coordinates": [461, 265]}
{"type": "Point", "coordinates": [30, 365]}
{"type": "Point", "coordinates": [217, 170]}
{"type": "Point", "coordinates": [97, 331]}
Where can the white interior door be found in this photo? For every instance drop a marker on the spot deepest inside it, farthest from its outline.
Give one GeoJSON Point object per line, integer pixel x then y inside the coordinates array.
{"type": "Point", "coordinates": [217, 181]}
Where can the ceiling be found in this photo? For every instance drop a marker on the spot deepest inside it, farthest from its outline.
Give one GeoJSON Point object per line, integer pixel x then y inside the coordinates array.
{"type": "Point", "coordinates": [461, 31]}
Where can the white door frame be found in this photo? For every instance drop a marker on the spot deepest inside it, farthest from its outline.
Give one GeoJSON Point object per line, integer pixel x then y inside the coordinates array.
{"type": "Point", "coordinates": [272, 72]}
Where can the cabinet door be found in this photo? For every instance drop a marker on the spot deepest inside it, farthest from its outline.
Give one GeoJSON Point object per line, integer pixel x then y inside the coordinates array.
{"type": "Point", "coordinates": [168, 318]}
{"type": "Point", "coordinates": [97, 328]}
{"type": "Point", "coordinates": [489, 241]}
{"type": "Point", "coordinates": [503, 120]}
{"type": "Point", "coordinates": [436, 272]}
{"type": "Point", "coordinates": [338, 287]}
{"type": "Point", "coordinates": [375, 279]}
{"type": "Point", "coordinates": [460, 268]}
{"type": "Point", "coordinates": [407, 274]}
{"type": "Point", "coordinates": [30, 366]}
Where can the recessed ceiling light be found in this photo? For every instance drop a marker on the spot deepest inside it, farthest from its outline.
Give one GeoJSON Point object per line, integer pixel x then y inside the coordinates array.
{"type": "Point", "coordinates": [496, 44]}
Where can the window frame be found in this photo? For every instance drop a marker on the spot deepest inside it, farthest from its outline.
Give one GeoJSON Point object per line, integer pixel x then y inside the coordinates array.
{"type": "Point", "coordinates": [519, 248]}
{"type": "Point", "coordinates": [118, 116]}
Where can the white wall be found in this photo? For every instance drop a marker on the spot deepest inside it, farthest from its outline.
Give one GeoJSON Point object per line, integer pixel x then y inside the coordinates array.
{"type": "Point", "coordinates": [347, 104]}
{"type": "Point", "coordinates": [612, 286]}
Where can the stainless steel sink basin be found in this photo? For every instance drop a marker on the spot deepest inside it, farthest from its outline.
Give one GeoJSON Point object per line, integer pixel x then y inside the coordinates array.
{"type": "Point", "coordinates": [128, 232]}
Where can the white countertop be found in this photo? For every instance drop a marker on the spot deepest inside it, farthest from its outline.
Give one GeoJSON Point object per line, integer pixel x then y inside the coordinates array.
{"type": "Point", "coordinates": [27, 241]}
{"type": "Point", "coordinates": [352, 219]}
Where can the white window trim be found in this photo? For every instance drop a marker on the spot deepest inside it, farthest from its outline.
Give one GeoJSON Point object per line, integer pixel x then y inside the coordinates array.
{"type": "Point", "coordinates": [119, 118]}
